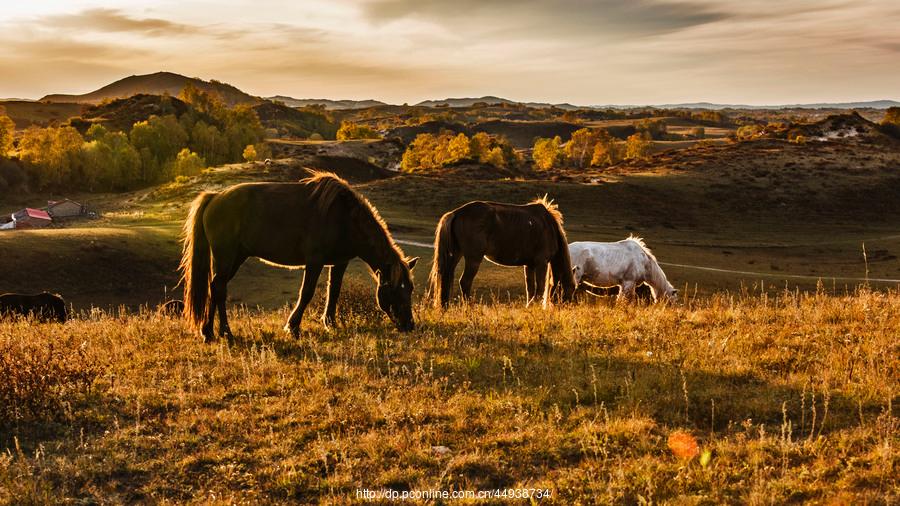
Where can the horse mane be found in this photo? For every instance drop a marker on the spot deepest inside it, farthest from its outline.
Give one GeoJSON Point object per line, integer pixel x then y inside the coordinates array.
{"type": "Point", "coordinates": [640, 242]}
{"type": "Point", "coordinates": [561, 263]}
{"type": "Point", "coordinates": [328, 188]}
{"type": "Point", "coordinates": [551, 208]}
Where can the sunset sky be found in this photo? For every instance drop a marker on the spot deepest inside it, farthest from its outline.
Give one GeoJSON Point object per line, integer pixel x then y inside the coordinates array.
{"type": "Point", "coordinates": [582, 52]}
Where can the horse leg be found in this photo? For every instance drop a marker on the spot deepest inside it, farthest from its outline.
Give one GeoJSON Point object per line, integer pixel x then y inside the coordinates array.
{"type": "Point", "coordinates": [530, 288]}
{"type": "Point", "coordinates": [221, 280]}
{"type": "Point", "coordinates": [626, 290]}
{"type": "Point", "coordinates": [465, 282]}
{"type": "Point", "coordinates": [540, 282]}
{"type": "Point", "coordinates": [335, 277]}
{"type": "Point", "coordinates": [447, 279]}
{"type": "Point", "coordinates": [308, 288]}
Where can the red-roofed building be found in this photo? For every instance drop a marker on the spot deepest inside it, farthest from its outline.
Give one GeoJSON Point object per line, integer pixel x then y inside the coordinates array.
{"type": "Point", "coordinates": [31, 218]}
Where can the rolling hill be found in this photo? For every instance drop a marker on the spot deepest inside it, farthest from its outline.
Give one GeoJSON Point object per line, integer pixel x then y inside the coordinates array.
{"type": "Point", "coordinates": [469, 102]}
{"type": "Point", "coordinates": [159, 83]}
{"type": "Point", "coordinates": [328, 103]}
{"type": "Point", "coordinates": [873, 104]}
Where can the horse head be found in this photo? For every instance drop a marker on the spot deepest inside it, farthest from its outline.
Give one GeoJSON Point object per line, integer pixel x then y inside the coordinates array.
{"type": "Point", "coordinates": [394, 294]}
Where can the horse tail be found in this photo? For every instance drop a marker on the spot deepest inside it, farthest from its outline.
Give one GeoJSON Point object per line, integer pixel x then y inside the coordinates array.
{"type": "Point", "coordinates": [440, 265]}
{"type": "Point", "coordinates": [561, 262]}
{"type": "Point", "coordinates": [195, 262]}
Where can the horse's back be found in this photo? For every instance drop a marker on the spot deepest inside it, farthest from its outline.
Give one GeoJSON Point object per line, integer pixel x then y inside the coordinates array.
{"type": "Point", "coordinates": [508, 234]}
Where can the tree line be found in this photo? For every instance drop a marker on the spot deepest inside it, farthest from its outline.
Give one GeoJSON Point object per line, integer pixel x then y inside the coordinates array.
{"type": "Point", "coordinates": [157, 149]}
{"type": "Point", "coordinates": [590, 148]}
{"type": "Point", "coordinates": [429, 151]}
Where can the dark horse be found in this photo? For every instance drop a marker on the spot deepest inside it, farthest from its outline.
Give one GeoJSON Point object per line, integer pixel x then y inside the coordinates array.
{"type": "Point", "coordinates": [316, 222]}
{"type": "Point", "coordinates": [43, 306]}
{"type": "Point", "coordinates": [531, 235]}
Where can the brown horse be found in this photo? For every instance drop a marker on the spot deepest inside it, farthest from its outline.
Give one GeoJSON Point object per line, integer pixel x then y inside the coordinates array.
{"type": "Point", "coordinates": [42, 306]}
{"type": "Point", "coordinates": [530, 235]}
{"type": "Point", "coordinates": [316, 222]}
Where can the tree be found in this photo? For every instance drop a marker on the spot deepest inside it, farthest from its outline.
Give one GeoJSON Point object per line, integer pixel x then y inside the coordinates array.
{"type": "Point", "coordinates": [53, 154]}
{"type": "Point", "coordinates": [654, 128]}
{"type": "Point", "coordinates": [188, 163]}
{"type": "Point", "coordinates": [495, 157]}
{"type": "Point", "coordinates": [349, 131]}
{"type": "Point", "coordinates": [547, 153]}
{"type": "Point", "coordinates": [419, 155]}
{"type": "Point", "coordinates": [479, 145]}
{"type": "Point", "coordinates": [7, 131]}
{"type": "Point", "coordinates": [209, 142]}
{"type": "Point", "coordinates": [242, 127]}
{"type": "Point", "coordinates": [205, 102]}
{"type": "Point", "coordinates": [637, 146]}
{"type": "Point", "coordinates": [581, 146]}
{"type": "Point", "coordinates": [158, 140]}
{"type": "Point", "coordinates": [607, 151]}
{"type": "Point", "coordinates": [459, 148]}
{"type": "Point", "coordinates": [698, 132]}
{"type": "Point", "coordinates": [110, 161]}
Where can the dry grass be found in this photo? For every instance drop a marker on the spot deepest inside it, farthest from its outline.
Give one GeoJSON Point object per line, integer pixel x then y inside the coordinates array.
{"type": "Point", "coordinates": [789, 400]}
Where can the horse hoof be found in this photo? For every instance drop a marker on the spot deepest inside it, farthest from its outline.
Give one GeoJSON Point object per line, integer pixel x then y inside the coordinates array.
{"type": "Point", "coordinates": [293, 331]}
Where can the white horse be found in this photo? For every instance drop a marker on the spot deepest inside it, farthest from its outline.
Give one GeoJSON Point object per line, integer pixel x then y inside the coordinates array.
{"type": "Point", "coordinates": [626, 264]}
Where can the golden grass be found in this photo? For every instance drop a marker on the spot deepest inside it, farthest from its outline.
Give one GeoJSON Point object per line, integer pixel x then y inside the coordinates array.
{"type": "Point", "coordinates": [789, 399]}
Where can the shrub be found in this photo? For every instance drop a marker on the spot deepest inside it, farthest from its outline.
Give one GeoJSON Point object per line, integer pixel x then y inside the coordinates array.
{"type": "Point", "coordinates": [891, 116]}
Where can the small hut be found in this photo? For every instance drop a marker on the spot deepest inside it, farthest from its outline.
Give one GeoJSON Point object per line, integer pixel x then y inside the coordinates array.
{"type": "Point", "coordinates": [31, 218]}
{"type": "Point", "coordinates": [64, 209]}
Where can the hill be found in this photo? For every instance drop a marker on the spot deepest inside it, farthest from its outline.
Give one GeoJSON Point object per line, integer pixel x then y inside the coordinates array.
{"type": "Point", "coordinates": [291, 122]}
{"type": "Point", "coordinates": [469, 102]}
{"type": "Point", "coordinates": [26, 113]}
{"type": "Point", "coordinates": [123, 113]}
{"type": "Point", "coordinates": [328, 103]}
{"type": "Point", "coordinates": [159, 83]}
{"type": "Point", "coordinates": [874, 104]}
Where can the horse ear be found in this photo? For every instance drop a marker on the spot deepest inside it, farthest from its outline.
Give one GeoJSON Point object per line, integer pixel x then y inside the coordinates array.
{"type": "Point", "coordinates": [411, 263]}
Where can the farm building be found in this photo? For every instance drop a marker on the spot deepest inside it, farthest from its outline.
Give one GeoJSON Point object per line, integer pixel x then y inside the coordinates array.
{"type": "Point", "coordinates": [31, 218]}
{"type": "Point", "coordinates": [64, 209]}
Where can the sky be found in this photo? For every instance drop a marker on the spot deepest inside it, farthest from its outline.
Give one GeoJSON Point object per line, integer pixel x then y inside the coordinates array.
{"type": "Point", "coordinates": [577, 51]}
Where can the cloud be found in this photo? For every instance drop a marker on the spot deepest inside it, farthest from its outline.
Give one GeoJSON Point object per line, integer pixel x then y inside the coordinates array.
{"type": "Point", "coordinates": [567, 18]}
{"type": "Point", "coordinates": [114, 20]}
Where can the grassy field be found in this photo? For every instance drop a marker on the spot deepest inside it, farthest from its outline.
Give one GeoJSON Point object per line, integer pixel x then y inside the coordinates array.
{"type": "Point", "coordinates": [786, 384]}
{"type": "Point", "coordinates": [789, 398]}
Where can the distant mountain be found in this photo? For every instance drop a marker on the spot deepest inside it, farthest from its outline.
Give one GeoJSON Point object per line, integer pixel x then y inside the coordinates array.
{"type": "Point", "coordinates": [159, 83]}
{"type": "Point", "coordinates": [328, 103]}
{"type": "Point", "coordinates": [874, 104]}
{"type": "Point", "coordinates": [469, 102]}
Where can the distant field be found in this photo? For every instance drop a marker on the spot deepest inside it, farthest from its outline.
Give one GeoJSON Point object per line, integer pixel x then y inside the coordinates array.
{"type": "Point", "coordinates": [778, 227]}
{"type": "Point", "coordinates": [674, 125]}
